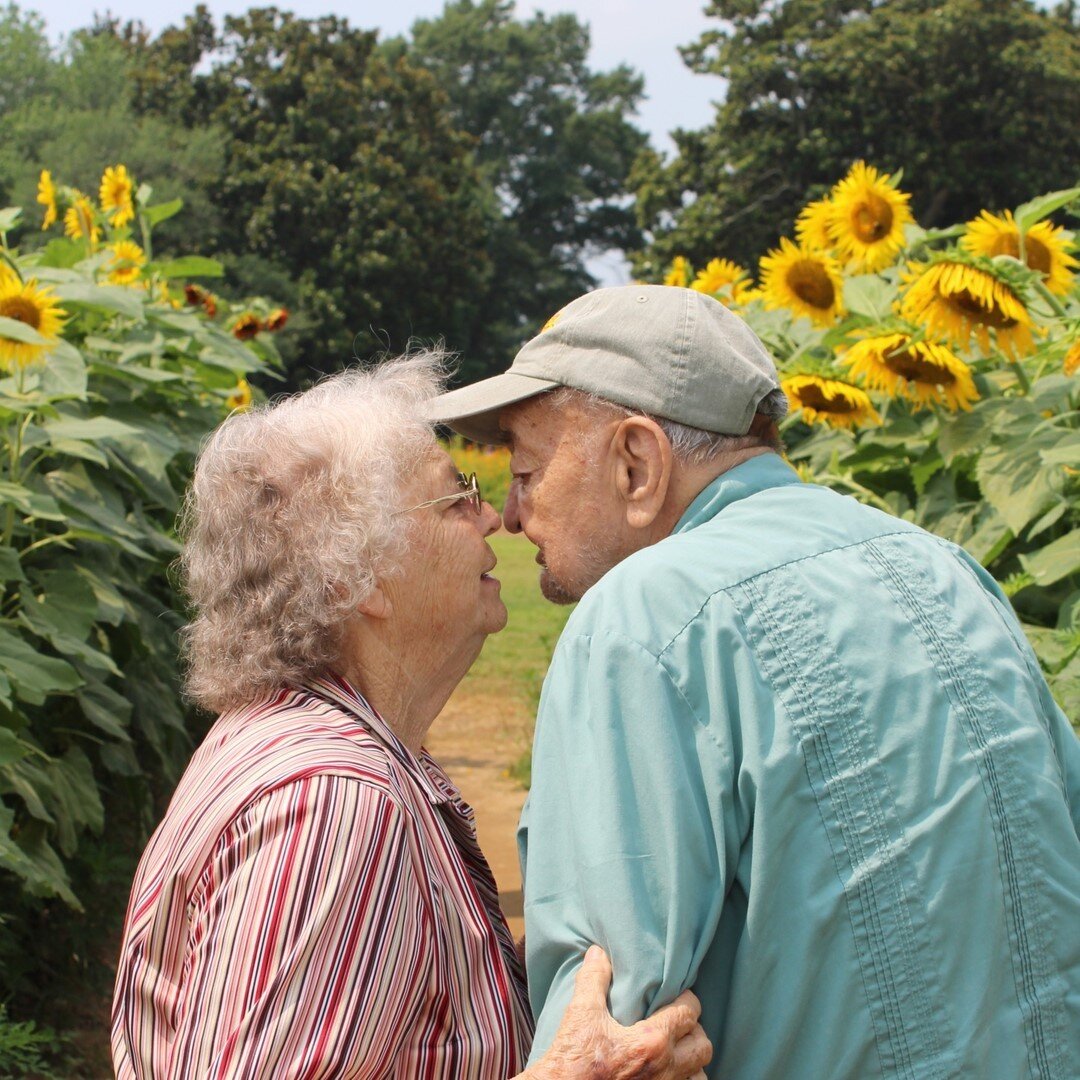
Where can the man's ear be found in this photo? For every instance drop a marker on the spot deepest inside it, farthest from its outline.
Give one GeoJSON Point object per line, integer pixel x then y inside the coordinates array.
{"type": "Point", "coordinates": [643, 465]}
{"type": "Point", "coordinates": [376, 605]}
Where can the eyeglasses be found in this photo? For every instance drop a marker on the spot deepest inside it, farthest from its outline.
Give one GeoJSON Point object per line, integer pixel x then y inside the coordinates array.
{"type": "Point", "coordinates": [470, 489]}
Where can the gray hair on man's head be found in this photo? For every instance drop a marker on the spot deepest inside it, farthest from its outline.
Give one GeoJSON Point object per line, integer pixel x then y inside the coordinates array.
{"type": "Point", "coordinates": [690, 445]}
{"type": "Point", "coordinates": [289, 522]}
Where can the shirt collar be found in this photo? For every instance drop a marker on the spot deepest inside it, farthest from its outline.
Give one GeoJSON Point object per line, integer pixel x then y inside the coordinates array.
{"type": "Point", "coordinates": [424, 770]}
{"type": "Point", "coordinates": [758, 474]}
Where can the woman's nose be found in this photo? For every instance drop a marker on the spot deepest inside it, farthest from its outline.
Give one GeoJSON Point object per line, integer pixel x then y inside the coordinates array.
{"type": "Point", "coordinates": [511, 517]}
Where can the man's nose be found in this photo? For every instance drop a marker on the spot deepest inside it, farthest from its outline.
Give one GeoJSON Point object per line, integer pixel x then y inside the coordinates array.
{"type": "Point", "coordinates": [511, 516]}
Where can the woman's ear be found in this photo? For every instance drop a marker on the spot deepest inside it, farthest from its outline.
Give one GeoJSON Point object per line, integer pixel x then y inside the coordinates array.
{"type": "Point", "coordinates": [643, 469]}
{"type": "Point", "coordinates": [376, 605]}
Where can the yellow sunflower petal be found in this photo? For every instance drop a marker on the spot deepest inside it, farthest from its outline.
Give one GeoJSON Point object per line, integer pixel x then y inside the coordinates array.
{"type": "Point", "coordinates": [719, 274]}
{"type": "Point", "coordinates": [127, 262]}
{"type": "Point", "coordinates": [46, 195]}
{"type": "Point", "coordinates": [241, 396]}
{"type": "Point", "coordinates": [80, 221]}
{"type": "Point", "coordinates": [37, 308]}
{"type": "Point", "coordinates": [955, 301]}
{"type": "Point", "coordinates": [115, 195]}
{"type": "Point", "coordinates": [1045, 246]}
{"type": "Point", "coordinates": [806, 282]}
{"type": "Point", "coordinates": [868, 216]}
{"type": "Point", "coordinates": [680, 272]}
{"type": "Point", "coordinates": [812, 225]}
{"type": "Point", "coordinates": [923, 372]}
{"type": "Point", "coordinates": [830, 401]}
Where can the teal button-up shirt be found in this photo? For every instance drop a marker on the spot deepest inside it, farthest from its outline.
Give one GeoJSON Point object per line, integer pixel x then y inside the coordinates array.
{"type": "Point", "coordinates": [799, 758]}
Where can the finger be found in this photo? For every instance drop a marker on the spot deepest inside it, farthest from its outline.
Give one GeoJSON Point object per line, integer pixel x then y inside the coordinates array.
{"type": "Point", "coordinates": [593, 980]}
{"type": "Point", "coordinates": [681, 1015]}
{"type": "Point", "coordinates": [692, 1053]}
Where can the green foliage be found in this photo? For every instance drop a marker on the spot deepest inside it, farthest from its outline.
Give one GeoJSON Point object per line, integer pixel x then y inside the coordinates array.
{"type": "Point", "coordinates": [969, 96]}
{"type": "Point", "coordinates": [24, 1047]}
{"type": "Point", "coordinates": [999, 476]}
{"type": "Point", "coordinates": [554, 148]}
{"type": "Point", "coordinates": [98, 432]}
{"type": "Point", "coordinates": [343, 174]}
{"type": "Point", "coordinates": [491, 465]}
{"type": "Point", "coordinates": [76, 108]}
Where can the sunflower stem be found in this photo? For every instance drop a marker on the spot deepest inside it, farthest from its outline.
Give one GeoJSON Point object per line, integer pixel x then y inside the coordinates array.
{"type": "Point", "coordinates": [7, 258]}
{"type": "Point", "coordinates": [1022, 377]}
{"type": "Point", "coordinates": [56, 538]}
{"type": "Point", "coordinates": [144, 227]}
{"type": "Point", "coordinates": [868, 496]}
{"type": "Point", "coordinates": [1052, 301]}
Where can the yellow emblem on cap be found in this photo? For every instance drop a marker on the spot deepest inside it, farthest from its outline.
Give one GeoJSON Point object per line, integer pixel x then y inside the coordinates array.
{"type": "Point", "coordinates": [551, 322]}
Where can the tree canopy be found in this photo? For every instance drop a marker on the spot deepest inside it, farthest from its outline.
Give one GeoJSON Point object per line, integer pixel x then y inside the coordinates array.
{"type": "Point", "coordinates": [975, 100]}
{"type": "Point", "coordinates": [553, 143]}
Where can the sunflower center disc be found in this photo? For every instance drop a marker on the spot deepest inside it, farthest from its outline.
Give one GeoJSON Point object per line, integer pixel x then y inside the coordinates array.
{"type": "Point", "coordinates": [18, 307]}
{"type": "Point", "coordinates": [970, 306]}
{"type": "Point", "coordinates": [814, 397]}
{"type": "Point", "coordinates": [873, 219]}
{"type": "Point", "coordinates": [809, 282]}
{"type": "Point", "coordinates": [916, 368]}
{"type": "Point", "coordinates": [1038, 254]}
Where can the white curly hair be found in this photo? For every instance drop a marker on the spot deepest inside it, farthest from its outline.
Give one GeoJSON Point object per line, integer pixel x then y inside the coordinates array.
{"type": "Point", "coordinates": [289, 521]}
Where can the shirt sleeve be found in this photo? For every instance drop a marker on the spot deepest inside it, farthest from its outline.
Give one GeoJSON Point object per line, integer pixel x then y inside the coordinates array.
{"type": "Point", "coordinates": [311, 950]}
{"type": "Point", "coordinates": [629, 836]}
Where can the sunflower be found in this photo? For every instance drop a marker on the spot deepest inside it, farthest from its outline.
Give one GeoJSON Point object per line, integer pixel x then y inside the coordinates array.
{"type": "Point", "coordinates": [830, 401]}
{"type": "Point", "coordinates": [277, 319]}
{"type": "Point", "coordinates": [868, 218]}
{"type": "Point", "coordinates": [812, 225]}
{"type": "Point", "coordinates": [954, 300]}
{"type": "Point", "coordinates": [127, 261]}
{"type": "Point", "coordinates": [1072, 360]}
{"type": "Point", "coordinates": [921, 371]}
{"type": "Point", "coordinates": [247, 326]}
{"type": "Point", "coordinates": [46, 195]}
{"type": "Point", "coordinates": [719, 274]}
{"type": "Point", "coordinates": [80, 222]}
{"type": "Point", "coordinates": [680, 272]}
{"type": "Point", "coordinates": [1044, 247]}
{"type": "Point", "coordinates": [240, 398]}
{"type": "Point", "coordinates": [115, 195]}
{"type": "Point", "coordinates": [38, 309]}
{"type": "Point", "coordinates": [808, 282]}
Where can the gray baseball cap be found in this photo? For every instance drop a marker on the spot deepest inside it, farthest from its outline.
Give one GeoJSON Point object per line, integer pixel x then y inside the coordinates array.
{"type": "Point", "coordinates": [670, 352]}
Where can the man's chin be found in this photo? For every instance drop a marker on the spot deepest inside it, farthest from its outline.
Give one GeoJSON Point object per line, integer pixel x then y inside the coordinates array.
{"type": "Point", "coordinates": [554, 590]}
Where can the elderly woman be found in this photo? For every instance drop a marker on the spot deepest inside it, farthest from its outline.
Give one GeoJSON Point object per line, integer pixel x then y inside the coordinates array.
{"type": "Point", "coordinates": [314, 903]}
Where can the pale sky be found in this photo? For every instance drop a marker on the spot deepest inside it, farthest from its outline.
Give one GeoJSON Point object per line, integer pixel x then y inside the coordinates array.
{"type": "Point", "coordinates": [641, 33]}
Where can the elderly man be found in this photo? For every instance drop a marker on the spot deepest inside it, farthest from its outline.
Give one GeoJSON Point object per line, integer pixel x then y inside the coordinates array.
{"type": "Point", "coordinates": [791, 752]}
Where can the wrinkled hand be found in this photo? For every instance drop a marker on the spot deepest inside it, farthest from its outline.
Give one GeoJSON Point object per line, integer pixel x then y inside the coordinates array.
{"type": "Point", "coordinates": [591, 1045]}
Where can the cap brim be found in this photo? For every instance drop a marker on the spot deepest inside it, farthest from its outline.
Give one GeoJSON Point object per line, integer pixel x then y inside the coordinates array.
{"type": "Point", "coordinates": [473, 411]}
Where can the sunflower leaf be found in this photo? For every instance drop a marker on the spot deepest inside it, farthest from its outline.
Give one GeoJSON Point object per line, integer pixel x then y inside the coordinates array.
{"type": "Point", "coordinates": [191, 266]}
{"type": "Point", "coordinates": [155, 215]}
{"type": "Point", "coordinates": [16, 330]}
{"type": "Point", "coordinates": [869, 295]}
{"type": "Point", "coordinates": [1055, 561]}
{"type": "Point", "coordinates": [116, 298]}
{"type": "Point", "coordinates": [1031, 213]}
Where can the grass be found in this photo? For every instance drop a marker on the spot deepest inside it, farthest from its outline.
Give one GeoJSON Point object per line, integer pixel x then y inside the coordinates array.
{"type": "Point", "coordinates": [513, 663]}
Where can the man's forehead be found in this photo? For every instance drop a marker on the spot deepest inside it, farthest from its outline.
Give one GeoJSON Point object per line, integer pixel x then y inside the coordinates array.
{"type": "Point", "coordinates": [526, 423]}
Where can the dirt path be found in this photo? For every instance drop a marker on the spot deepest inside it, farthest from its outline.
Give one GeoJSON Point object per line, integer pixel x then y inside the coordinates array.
{"type": "Point", "coordinates": [475, 738]}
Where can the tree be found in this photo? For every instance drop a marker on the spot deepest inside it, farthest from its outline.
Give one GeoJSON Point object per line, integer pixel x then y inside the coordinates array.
{"type": "Point", "coordinates": [971, 98]}
{"type": "Point", "coordinates": [553, 144]}
{"type": "Point", "coordinates": [75, 108]}
{"type": "Point", "coordinates": [346, 187]}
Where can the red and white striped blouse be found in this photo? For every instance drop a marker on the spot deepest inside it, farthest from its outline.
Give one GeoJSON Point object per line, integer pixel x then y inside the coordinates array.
{"type": "Point", "coordinates": [314, 904]}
